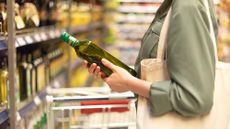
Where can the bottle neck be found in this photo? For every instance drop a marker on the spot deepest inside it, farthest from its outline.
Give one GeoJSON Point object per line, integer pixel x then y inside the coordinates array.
{"type": "Point", "coordinates": [73, 41]}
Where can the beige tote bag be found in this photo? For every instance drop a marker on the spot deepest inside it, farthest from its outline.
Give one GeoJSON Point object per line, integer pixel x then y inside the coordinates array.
{"type": "Point", "coordinates": [218, 117]}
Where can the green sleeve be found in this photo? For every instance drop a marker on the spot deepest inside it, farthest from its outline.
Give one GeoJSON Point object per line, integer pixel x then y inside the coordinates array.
{"type": "Point", "coordinates": [190, 61]}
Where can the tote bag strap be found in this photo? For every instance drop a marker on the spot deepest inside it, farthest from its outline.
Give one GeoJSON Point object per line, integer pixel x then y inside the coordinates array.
{"type": "Point", "coordinates": [163, 37]}
{"type": "Point", "coordinates": [212, 34]}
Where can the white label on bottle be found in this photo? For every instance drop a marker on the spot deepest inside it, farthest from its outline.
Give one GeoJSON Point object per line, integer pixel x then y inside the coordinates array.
{"type": "Point", "coordinates": [57, 33]}
{"type": "Point", "coordinates": [37, 37]}
{"type": "Point", "coordinates": [52, 34]}
{"type": "Point", "coordinates": [72, 38]}
{"type": "Point", "coordinates": [21, 41]}
{"type": "Point", "coordinates": [28, 39]}
{"type": "Point", "coordinates": [37, 100]}
{"type": "Point", "coordinates": [43, 36]}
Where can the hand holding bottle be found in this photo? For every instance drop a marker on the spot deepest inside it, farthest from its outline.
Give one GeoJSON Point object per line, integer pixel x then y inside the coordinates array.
{"type": "Point", "coordinates": [118, 80]}
{"type": "Point", "coordinates": [94, 70]}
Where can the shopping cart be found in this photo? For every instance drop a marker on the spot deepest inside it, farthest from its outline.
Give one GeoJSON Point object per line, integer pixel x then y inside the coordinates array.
{"type": "Point", "coordinates": [90, 108]}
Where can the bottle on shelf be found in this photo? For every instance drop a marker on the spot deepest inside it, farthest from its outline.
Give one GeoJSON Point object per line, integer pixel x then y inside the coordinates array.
{"type": "Point", "coordinates": [55, 57]}
{"type": "Point", "coordinates": [43, 14]}
{"type": "Point", "coordinates": [29, 13]}
{"type": "Point", "coordinates": [3, 83]}
{"type": "Point", "coordinates": [52, 12]}
{"type": "Point", "coordinates": [39, 66]}
{"type": "Point", "coordinates": [1, 24]}
{"type": "Point", "coordinates": [19, 23]}
{"type": "Point", "coordinates": [29, 70]}
{"type": "Point", "coordinates": [22, 69]}
{"type": "Point", "coordinates": [3, 17]}
{"type": "Point", "coordinates": [93, 54]}
{"type": "Point", "coordinates": [17, 89]}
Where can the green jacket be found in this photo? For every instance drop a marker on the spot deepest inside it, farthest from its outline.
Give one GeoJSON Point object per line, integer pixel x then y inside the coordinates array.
{"type": "Point", "coordinates": [190, 59]}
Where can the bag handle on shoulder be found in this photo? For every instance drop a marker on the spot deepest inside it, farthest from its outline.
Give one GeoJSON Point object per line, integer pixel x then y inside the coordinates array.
{"type": "Point", "coordinates": [164, 31]}
{"type": "Point", "coordinates": [163, 36]}
{"type": "Point", "coordinates": [212, 34]}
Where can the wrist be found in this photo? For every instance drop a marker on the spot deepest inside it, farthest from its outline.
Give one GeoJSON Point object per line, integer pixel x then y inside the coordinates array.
{"type": "Point", "coordinates": [138, 86]}
{"type": "Point", "coordinates": [130, 81]}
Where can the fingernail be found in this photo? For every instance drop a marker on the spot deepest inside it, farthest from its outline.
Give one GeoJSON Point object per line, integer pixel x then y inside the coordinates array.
{"type": "Point", "coordinates": [103, 60]}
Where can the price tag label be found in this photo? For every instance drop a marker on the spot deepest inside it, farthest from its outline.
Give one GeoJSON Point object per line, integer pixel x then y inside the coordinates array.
{"type": "Point", "coordinates": [18, 116]}
{"type": "Point", "coordinates": [37, 100]}
{"type": "Point", "coordinates": [28, 39]}
{"type": "Point", "coordinates": [37, 38]}
{"type": "Point", "coordinates": [43, 36]}
{"type": "Point", "coordinates": [21, 41]}
{"type": "Point", "coordinates": [16, 44]}
{"type": "Point", "coordinates": [57, 33]}
{"type": "Point", "coordinates": [56, 84]}
{"type": "Point", "coordinates": [52, 34]}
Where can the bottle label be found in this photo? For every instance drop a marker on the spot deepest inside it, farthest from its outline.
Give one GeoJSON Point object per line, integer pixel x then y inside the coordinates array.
{"type": "Point", "coordinates": [19, 22]}
{"type": "Point", "coordinates": [72, 41]}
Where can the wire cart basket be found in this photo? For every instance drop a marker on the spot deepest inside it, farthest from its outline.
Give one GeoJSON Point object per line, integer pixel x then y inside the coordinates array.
{"type": "Point", "coordinates": [90, 108]}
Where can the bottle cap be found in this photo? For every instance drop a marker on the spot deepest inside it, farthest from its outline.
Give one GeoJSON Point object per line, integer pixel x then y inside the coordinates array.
{"type": "Point", "coordinates": [64, 36]}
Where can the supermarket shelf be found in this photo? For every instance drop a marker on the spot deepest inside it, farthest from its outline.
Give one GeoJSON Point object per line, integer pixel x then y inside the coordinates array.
{"type": "Point", "coordinates": [123, 20]}
{"type": "Point", "coordinates": [3, 117]}
{"type": "Point", "coordinates": [37, 35]}
{"type": "Point", "coordinates": [131, 36]}
{"type": "Point", "coordinates": [32, 36]}
{"type": "Point", "coordinates": [135, 18]}
{"type": "Point", "coordinates": [138, 9]}
{"type": "Point", "coordinates": [35, 102]}
{"type": "Point", "coordinates": [84, 28]}
{"type": "Point", "coordinates": [41, 96]}
{"type": "Point", "coordinates": [142, 1]}
{"type": "Point", "coordinates": [3, 45]}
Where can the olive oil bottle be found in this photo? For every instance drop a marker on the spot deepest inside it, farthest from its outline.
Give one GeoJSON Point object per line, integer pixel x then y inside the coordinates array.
{"type": "Point", "coordinates": [3, 83]}
{"type": "Point", "coordinates": [93, 54]}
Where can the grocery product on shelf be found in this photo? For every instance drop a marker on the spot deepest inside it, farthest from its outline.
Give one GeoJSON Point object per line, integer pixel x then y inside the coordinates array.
{"type": "Point", "coordinates": [93, 54]}
{"type": "Point", "coordinates": [3, 17]}
{"type": "Point", "coordinates": [63, 14]}
{"type": "Point", "coordinates": [224, 30]}
{"type": "Point", "coordinates": [78, 77]}
{"type": "Point", "coordinates": [30, 74]}
{"type": "Point", "coordinates": [52, 12]}
{"type": "Point", "coordinates": [3, 84]}
{"type": "Point", "coordinates": [22, 67]}
{"type": "Point", "coordinates": [29, 13]}
{"type": "Point", "coordinates": [81, 14]}
{"type": "Point", "coordinates": [97, 12]}
{"type": "Point", "coordinates": [132, 19]}
{"type": "Point", "coordinates": [55, 60]}
{"type": "Point", "coordinates": [43, 14]}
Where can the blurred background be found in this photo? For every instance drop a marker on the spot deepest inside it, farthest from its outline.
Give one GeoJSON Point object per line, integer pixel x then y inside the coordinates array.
{"type": "Point", "coordinates": [32, 54]}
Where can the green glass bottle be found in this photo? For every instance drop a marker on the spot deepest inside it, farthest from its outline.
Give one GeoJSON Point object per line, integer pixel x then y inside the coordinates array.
{"type": "Point", "coordinates": [93, 54]}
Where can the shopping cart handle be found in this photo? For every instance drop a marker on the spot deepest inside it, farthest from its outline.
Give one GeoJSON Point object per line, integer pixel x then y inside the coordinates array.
{"type": "Point", "coordinates": [113, 104]}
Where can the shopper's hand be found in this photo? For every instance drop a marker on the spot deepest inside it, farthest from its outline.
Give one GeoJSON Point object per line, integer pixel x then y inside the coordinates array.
{"type": "Point", "coordinates": [118, 80]}
{"type": "Point", "coordinates": [94, 70]}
